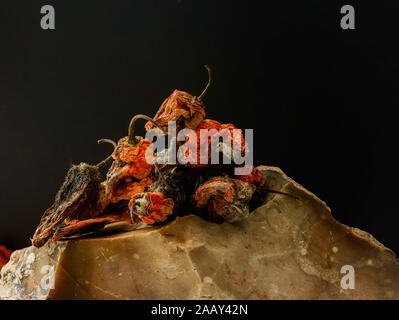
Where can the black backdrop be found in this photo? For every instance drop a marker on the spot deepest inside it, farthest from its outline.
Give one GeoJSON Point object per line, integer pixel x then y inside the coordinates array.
{"type": "Point", "coordinates": [320, 99]}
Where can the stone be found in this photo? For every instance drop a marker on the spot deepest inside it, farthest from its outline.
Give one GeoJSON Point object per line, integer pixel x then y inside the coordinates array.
{"type": "Point", "coordinates": [286, 249]}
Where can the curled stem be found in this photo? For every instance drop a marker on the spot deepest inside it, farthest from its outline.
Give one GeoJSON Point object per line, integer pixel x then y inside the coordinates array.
{"type": "Point", "coordinates": [108, 159]}
{"type": "Point", "coordinates": [107, 141]}
{"type": "Point", "coordinates": [132, 138]}
{"type": "Point", "coordinates": [201, 96]}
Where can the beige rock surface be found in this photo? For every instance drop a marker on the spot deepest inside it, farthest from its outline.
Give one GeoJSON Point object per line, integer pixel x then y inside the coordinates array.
{"type": "Point", "coordinates": [286, 249]}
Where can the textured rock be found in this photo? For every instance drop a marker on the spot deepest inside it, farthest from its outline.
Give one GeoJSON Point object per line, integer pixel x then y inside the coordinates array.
{"type": "Point", "coordinates": [286, 249]}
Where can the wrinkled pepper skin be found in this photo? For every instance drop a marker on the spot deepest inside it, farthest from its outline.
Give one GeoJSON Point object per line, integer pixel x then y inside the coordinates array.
{"type": "Point", "coordinates": [83, 198]}
{"type": "Point", "coordinates": [71, 228]}
{"type": "Point", "coordinates": [151, 207]}
{"type": "Point", "coordinates": [181, 107]}
{"type": "Point", "coordinates": [134, 157]}
{"type": "Point", "coordinates": [162, 201]}
{"type": "Point", "coordinates": [79, 192]}
{"type": "Point", "coordinates": [225, 198]}
{"type": "Point", "coordinates": [5, 255]}
{"type": "Point", "coordinates": [197, 148]}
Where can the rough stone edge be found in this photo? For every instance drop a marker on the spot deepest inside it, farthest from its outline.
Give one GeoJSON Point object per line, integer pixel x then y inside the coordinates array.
{"type": "Point", "coordinates": [360, 234]}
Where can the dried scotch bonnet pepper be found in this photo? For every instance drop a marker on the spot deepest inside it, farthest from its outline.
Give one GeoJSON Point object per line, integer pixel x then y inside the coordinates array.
{"type": "Point", "coordinates": [136, 189]}
{"type": "Point", "coordinates": [78, 193]}
{"type": "Point", "coordinates": [198, 147]}
{"type": "Point", "coordinates": [183, 108]}
{"type": "Point", "coordinates": [165, 197]}
{"type": "Point", "coordinates": [130, 173]}
{"type": "Point", "coordinates": [225, 198]}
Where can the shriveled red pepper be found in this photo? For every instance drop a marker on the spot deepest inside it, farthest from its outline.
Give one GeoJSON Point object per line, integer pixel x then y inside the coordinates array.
{"type": "Point", "coordinates": [127, 189]}
{"type": "Point", "coordinates": [78, 194]}
{"type": "Point", "coordinates": [197, 148]}
{"type": "Point", "coordinates": [74, 227]}
{"type": "Point", "coordinates": [255, 177]}
{"type": "Point", "coordinates": [81, 203]}
{"type": "Point", "coordinates": [187, 111]}
{"type": "Point", "coordinates": [225, 198]}
{"type": "Point", "coordinates": [166, 196]}
{"type": "Point", "coordinates": [130, 173]}
{"type": "Point", "coordinates": [133, 192]}
{"type": "Point", "coordinates": [134, 156]}
{"type": "Point", "coordinates": [151, 207]}
{"type": "Point", "coordinates": [5, 255]}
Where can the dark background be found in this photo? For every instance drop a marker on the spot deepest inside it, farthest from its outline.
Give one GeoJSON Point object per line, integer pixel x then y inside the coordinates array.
{"type": "Point", "coordinates": [322, 101]}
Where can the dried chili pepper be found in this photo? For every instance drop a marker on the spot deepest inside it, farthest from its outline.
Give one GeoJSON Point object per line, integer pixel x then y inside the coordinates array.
{"type": "Point", "coordinates": [225, 198]}
{"type": "Point", "coordinates": [197, 148]}
{"type": "Point", "coordinates": [133, 192]}
{"type": "Point", "coordinates": [151, 207]}
{"type": "Point", "coordinates": [82, 227]}
{"type": "Point", "coordinates": [187, 111]}
{"type": "Point", "coordinates": [255, 177]}
{"type": "Point", "coordinates": [5, 255]}
{"type": "Point", "coordinates": [164, 197]}
{"type": "Point", "coordinates": [131, 172]}
{"type": "Point", "coordinates": [79, 193]}
{"type": "Point", "coordinates": [80, 203]}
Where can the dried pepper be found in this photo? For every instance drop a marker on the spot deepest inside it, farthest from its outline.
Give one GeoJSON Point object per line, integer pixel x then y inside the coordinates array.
{"type": "Point", "coordinates": [81, 203]}
{"type": "Point", "coordinates": [137, 190]}
{"type": "Point", "coordinates": [225, 198]}
{"type": "Point", "coordinates": [131, 173]}
{"type": "Point", "coordinates": [181, 107]}
{"type": "Point", "coordinates": [78, 194]}
{"type": "Point", "coordinates": [81, 227]}
{"type": "Point", "coordinates": [198, 147]}
{"type": "Point", "coordinates": [5, 255]}
{"type": "Point", "coordinates": [164, 197]}
{"type": "Point", "coordinates": [151, 207]}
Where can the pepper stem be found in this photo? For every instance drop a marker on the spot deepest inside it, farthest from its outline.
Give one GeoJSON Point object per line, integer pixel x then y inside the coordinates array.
{"type": "Point", "coordinates": [132, 138]}
{"type": "Point", "coordinates": [208, 85]}
{"type": "Point", "coordinates": [104, 163]}
{"type": "Point", "coordinates": [108, 160]}
{"type": "Point", "coordinates": [107, 141]}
